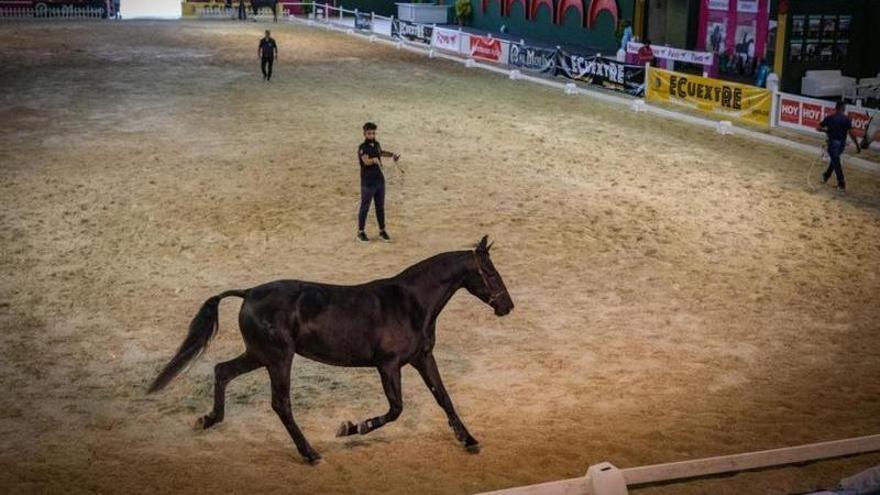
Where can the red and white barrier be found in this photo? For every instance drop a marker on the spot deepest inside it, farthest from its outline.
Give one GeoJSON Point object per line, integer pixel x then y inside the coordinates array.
{"type": "Point", "coordinates": [804, 114]}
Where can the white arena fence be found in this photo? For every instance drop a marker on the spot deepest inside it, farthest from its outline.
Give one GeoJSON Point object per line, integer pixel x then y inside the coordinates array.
{"type": "Point", "coordinates": [221, 12]}
{"type": "Point", "coordinates": [606, 479]}
{"type": "Point", "coordinates": [63, 13]}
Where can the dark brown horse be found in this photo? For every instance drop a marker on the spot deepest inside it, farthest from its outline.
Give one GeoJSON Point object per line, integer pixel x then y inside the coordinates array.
{"type": "Point", "coordinates": [384, 324]}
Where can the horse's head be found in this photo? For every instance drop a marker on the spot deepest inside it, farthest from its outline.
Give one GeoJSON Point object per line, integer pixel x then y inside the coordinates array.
{"type": "Point", "coordinates": [872, 133]}
{"type": "Point", "coordinates": [484, 281]}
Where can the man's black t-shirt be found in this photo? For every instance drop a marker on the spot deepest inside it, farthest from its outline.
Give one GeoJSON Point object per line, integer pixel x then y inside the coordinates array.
{"type": "Point", "coordinates": [838, 125]}
{"type": "Point", "coordinates": [267, 47]}
{"type": "Point", "coordinates": [370, 173]}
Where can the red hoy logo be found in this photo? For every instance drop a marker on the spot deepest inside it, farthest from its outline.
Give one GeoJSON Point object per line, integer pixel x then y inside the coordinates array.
{"type": "Point", "coordinates": [812, 112]}
{"type": "Point", "coordinates": [790, 108]}
{"type": "Point", "coordinates": [790, 111]}
{"type": "Point", "coordinates": [859, 120]}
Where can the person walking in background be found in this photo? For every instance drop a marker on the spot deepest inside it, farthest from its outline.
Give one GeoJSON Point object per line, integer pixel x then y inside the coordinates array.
{"type": "Point", "coordinates": [242, 12]}
{"type": "Point", "coordinates": [836, 126]}
{"type": "Point", "coordinates": [370, 155]}
{"type": "Point", "coordinates": [627, 35]}
{"type": "Point", "coordinates": [267, 51]}
{"type": "Point", "coordinates": [646, 54]}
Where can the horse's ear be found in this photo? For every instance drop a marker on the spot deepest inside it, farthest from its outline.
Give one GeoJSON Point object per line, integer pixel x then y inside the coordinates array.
{"type": "Point", "coordinates": [482, 245]}
{"type": "Point", "coordinates": [490, 246]}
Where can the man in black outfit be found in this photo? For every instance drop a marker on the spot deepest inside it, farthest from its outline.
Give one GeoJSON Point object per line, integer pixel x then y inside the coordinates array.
{"type": "Point", "coordinates": [836, 126]}
{"type": "Point", "coordinates": [242, 12]}
{"type": "Point", "coordinates": [267, 51]}
{"type": "Point", "coordinates": [370, 155]}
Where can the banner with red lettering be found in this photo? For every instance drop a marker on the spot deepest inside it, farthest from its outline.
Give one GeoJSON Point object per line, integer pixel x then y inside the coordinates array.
{"type": "Point", "coordinates": [805, 114]}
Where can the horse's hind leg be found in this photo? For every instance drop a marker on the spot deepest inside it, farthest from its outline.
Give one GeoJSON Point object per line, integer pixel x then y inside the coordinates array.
{"type": "Point", "coordinates": [223, 374]}
{"type": "Point", "coordinates": [427, 367]}
{"type": "Point", "coordinates": [279, 374]}
{"type": "Point", "coordinates": [390, 375]}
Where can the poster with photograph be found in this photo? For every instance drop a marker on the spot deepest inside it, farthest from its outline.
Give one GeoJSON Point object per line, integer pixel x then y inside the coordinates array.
{"type": "Point", "coordinates": [719, 5]}
{"type": "Point", "coordinates": [745, 41]}
{"type": "Point", "coordinates": [829, 26]}
{"type": "Point", "coordinates": [747, 6]}
{"type": "Point", "coordinates": [716, 37]}
{"type": "Point", "coordinates": [842, 51]}
{"type": "Point", "coordinates": [814, 26]}
{"type": "Point", "coordinates": [843, 27]}
{"type": "Point", "coordinates": [826, 52]}
{"type": "Point", "coordinates": [811, 52]}
{"type": "Point", "coordinates": [797, 27]}
{"type": "Point", "coordinates": [795, 52]}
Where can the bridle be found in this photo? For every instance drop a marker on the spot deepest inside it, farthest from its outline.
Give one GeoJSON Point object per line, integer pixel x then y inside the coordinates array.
{"type": "Point", "coordinates": [492, 296]}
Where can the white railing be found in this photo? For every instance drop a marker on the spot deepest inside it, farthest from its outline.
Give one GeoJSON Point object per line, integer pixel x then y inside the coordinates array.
{"type": "Point", "coordinates": [217, 12]}
{"type": "Point", "coordinates": [21, 13]}
{"type": "Point", "coordinates": [605, 479]}
{"type": "Point", "coordinates": [220, 12]}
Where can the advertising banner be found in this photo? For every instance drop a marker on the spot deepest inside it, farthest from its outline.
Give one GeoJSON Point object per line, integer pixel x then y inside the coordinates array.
{"type": "Point", "coordinates": [677, 54]}
{"type": "Point", "coordinates": [749, 104]}
{"type": "Point", "coordinates": [532, 58]}
{"type": "Point", "coordinates": [805, 114]}
{"type": "Point", "coordinates": [449, 40]}
{"type": "Point", "coordinates": [486, 48]}
{"type": "Point", "coordinates": [602, 71]}
{"type": "Point", "coordinates": [411, 31]}
{"type": "Point", "coordinates": [363, 21]}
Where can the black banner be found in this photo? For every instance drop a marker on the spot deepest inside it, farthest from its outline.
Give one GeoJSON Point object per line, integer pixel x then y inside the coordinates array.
{"type": "Point", "coordinates": [532, 58]}
{"type": "Point", "coordinates": [603, 72]}
{"type": "Point", "coordinates": [411, 31]}
{"type": "Point", "coordinates": [363, 22]}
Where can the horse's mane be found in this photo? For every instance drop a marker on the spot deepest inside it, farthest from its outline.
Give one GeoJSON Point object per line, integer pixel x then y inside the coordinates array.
{"type": "Point", "coordinates": [427, 263]}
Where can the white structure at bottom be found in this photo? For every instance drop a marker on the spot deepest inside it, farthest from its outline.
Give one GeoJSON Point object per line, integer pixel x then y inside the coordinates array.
{"type": "Point", "coordinates": [150, 9]}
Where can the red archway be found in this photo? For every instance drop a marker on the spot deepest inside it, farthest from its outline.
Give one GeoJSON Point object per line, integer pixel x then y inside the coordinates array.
{"type": "Point", "coordinates": [597, 6]}
{"type": "Point", "coordinates": [564, 5]}
{"type": "Point", "coordinates": [508, 6]}
{"type": "Point", "coordinates": [533, 11]}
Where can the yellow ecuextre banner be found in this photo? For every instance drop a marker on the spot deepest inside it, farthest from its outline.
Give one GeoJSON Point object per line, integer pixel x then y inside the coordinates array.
{"type": "Point", "coordinates": [749, 104]}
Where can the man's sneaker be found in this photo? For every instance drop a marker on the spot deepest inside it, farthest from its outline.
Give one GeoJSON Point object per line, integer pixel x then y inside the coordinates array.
{"type": "Point", "coordinates": [384, 236]}
{"type": "Point", "coordinates": [841, 189]}
{"type": "Point", "coordinates": [362, 237]}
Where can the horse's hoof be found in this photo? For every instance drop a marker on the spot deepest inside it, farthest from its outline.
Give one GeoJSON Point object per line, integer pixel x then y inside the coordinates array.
{"type": "Point", "coordinates": [365, 427]}
{"type": "Point", "coordinates": [206, 422]}
{"type": "Point", "coordinates": [314, 461]}
{"type": "Point", "coordinates": [345, 429]}
{"type": "Point", "coordinates": [473, 448]}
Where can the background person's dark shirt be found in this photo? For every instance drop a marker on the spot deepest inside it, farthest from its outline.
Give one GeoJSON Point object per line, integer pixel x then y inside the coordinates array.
{"type": "Point", "coordinates": [838, 125]}
{"type": "Point", "coordinates": [267, 47]}
{"type": "Point", "coordinates": [370, 173]}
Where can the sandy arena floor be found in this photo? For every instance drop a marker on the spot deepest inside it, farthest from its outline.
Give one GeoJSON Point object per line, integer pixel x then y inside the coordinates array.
{"type": "Point", "coordinates": [679, 294]}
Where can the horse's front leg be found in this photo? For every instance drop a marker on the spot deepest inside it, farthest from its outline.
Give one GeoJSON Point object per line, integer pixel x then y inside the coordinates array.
{"type": "Point", "coordinates": [390, 374]}
{"type": "Point", "coordinates": [427, 367]}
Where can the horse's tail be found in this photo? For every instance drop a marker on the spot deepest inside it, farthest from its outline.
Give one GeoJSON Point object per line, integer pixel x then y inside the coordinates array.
{"type": "Point", "coordinates": [201, 330]}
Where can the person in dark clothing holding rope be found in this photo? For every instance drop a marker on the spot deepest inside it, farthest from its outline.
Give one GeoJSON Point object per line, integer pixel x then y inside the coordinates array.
{"type": "Point", "coordinates": [370, 156]}
{"type": "Point", "coordinates": [267, 51]}
{"type": "Point", "coordinates": [836, 126]}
